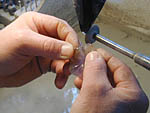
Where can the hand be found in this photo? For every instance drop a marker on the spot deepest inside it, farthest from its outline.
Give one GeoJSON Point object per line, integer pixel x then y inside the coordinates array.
{"type": "Point", "coordinates": [34, 34]}
{"type": "Point", "coordinates": [108, 86]}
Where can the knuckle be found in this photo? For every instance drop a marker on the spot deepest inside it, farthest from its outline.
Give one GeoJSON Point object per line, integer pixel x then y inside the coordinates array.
{"type": "Point", "coordinates": [28, 16]}
{"type": "Point", "coordinates": [30, 13]}
{"type": "Point", "coordinates": [104, 53]}
{"type": "Point", "coordinates": [64, 29]}
{"type": "Point", "coordinates": [126, 69]}
{"type": "Point", "coordinates": [64, 26]}
{"type": "Point", "coordinates": [100, 50]}
{"type": "Point", "coordinates": [47, 47]}
{"type": "Point", "coordinates": [64, 22]}
{"type": "Point", "coordinates": [50, 48]}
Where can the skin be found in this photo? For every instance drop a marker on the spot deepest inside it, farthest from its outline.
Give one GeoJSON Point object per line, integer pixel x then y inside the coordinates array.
{"type": "Point", "coordinates": [34, 34]}
{"type": "Point", "coordinates": [108, 86]}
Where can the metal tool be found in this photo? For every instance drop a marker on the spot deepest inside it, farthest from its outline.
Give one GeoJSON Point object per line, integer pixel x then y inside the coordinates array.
{"type": "Point", "coordinates": [87, 11]}
{"type": "Point", "coordinates": [93, 35]}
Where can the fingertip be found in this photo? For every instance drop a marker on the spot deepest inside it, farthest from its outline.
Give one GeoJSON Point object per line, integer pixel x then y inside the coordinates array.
{"type": "Point", "coordinates": [90, 56]}
{"type": "Point", "coordinates": [66, 68]}
{"type": "Point", "coordinates": [94, 65]}
{"type": "Point", "coordinates": [60, 81]}
{"type": "Point", "coordinates": [62, 73]}
{"type": "Point", "coordinates": [78, 82]}
{"type": "Point", "coordinates": [93, 58]}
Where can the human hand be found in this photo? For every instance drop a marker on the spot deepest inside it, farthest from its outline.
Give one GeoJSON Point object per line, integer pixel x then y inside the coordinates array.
{"type": "Point", "coordinates": [108, 86]}
{"type": "Point", "coordinates": [34, 34]}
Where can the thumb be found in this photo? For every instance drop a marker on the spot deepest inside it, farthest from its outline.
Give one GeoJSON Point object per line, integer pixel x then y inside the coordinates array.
{"type": "Point", "coordinates": [95, 74]}
{"type": "Point", "coordinates": [40, 45]}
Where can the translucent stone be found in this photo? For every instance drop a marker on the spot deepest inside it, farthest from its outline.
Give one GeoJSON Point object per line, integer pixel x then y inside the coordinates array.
{"type": "Point", "coordinates": [77, 61]}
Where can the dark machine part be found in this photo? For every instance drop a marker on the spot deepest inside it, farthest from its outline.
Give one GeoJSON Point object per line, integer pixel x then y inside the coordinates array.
{"type": "Point", "coordinates": [93, 35]}
{"type": "Point", "coordinates": [87, 11]}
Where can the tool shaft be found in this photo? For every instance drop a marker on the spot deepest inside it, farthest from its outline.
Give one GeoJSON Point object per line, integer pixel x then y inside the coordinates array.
{"type": "Point", "coordinates": [137, 57]}
{"type": "Point", "coordinates": [93, 35]}
{"type": "Point", "coordinates": [115, 46]}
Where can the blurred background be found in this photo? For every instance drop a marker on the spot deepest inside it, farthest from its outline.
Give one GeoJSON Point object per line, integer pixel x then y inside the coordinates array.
{"type": "Point", "coordinates": [123, 21]}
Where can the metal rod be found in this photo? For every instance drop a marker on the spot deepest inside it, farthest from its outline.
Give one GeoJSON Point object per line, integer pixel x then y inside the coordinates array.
{"type": "Point", "coordinates": [138, 58]}
{"type": "Point", "coordinates": [115, 46]}
{"type": "Point", "coordinates": [93, 34]}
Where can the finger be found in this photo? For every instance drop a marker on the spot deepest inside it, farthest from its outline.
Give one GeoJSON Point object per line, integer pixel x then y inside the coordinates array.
{"type": "Point", "coordinates": [53, 66]}
{"type": "Point", "coordinates": [66, 67]}
{"type": "Point", "coordinates": [95, 74]}
{"type": "Point", "coordinates": [39, 45]}
{"type": "Point", "coordinates": [61, 77]}
{"type": "Point", "coordinates": [44, 64]}
{"type": "Point", "coordinates": [59, 67]}
{"type": "Point", "coordinates": [60, 81]}
{"type": "Point", "coordinates": [62, 65]}
{"type": "Point", "coordinates": [121, 72]}
{"type": "Point", "coordinates": [78, 82]}
{"type": "Point", "coordinates": [53, 27]}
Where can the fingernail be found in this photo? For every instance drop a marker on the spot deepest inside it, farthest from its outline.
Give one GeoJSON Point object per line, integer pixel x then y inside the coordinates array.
{"type": "Point", "coordinates": [93, 58]}
{"type": "Point", "coordinates": [93, 55]}
{"type": "Point", "coordinates": [66, 51]}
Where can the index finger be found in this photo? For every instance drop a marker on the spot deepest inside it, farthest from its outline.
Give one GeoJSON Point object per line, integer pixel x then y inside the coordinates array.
{"type": "Point", "coordinates": [53, 27]}
{"type": "Point", "coordinates": [122, 74]}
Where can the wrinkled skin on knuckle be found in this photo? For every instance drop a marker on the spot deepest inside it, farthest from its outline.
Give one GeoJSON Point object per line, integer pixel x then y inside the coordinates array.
{"type": "Point", "coordinates": [63, 29]}
{"type": "Point", "coordinates": [50, 49]}
{"type": "Point", "coordinates": [105, 54]}
{"type": "Point", "coordinates": [28, 21]}
{"type": "Point", "coordinates": [125, 72]}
